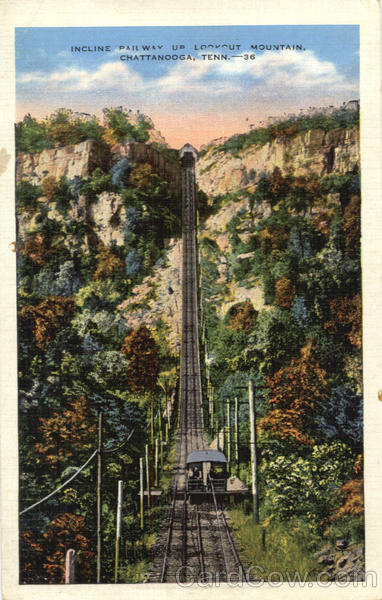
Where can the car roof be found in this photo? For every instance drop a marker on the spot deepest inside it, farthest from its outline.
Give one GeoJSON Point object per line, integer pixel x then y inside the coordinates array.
{"type": "Point", "coordinates": [206, 456]}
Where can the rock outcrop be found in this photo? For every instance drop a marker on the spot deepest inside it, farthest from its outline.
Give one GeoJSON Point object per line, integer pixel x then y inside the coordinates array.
{"type": "Point", "coordinates": [344, 562]}
{"type": "Point", "coordinates": [159, 297]}
{"type": "Point", "coordinates": [314, 152]}
{"type": "Point", "coordinates": [107, 215]}
{"type": "Point", "coordinates": [78, 160]}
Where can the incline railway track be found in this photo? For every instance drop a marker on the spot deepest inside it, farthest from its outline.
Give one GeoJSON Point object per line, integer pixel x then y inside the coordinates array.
{"type": "Point", "coordinates": [195, 542]}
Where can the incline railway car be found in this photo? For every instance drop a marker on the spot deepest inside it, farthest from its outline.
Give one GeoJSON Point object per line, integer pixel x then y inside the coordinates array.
{"type": "Point", "coordinates": [204, 467]}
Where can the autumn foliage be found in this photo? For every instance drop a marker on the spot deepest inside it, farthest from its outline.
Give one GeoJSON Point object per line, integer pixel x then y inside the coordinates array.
{"type": "Point", "coordinates": [322, 221]}
{"type": "Point", "coordinates": [285, 292]}
{"type": "Point", "coordinates": [275, 239]}
{"type": "Point", "coordinates": [242, 317]}
{"type": "Point", "coordinates": [49, 187]}
{"type": "Point", "coordinates": [143, 177]}
{"type": "Point", "coordinates": [47, 318]}
{"type": "Point", "coordinates": [66, 434]}
{"type": "Point", "coordinates": [140, 350]}
{"type": "Point", "coordinates": [346, 318]}
{"type": "Point", "coordinates": [37, 248]}
{"type": "Point", "coordinates": [32, 556]}
{"type": "Point", "coordinates": [295, 391]}
{"type": "Point", "coordinates": [107, 263]}
{"type": "Point", "coordinates": [45, 557]}
{"type": "Point", "coordinates": [352, 226]}
{"type": "Point", "coordinates": [64, 532]}
{"type": "Point", "coordinates": [351, 494]}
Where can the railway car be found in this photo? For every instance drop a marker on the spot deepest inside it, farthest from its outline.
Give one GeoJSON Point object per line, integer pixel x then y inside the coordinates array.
{"type": "Point", "coordinates": [206, 468]}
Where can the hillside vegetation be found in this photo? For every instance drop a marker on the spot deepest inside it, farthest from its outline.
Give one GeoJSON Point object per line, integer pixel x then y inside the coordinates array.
{"type": "Point", "coordinates": [285, 129]}
{"type": "Point", "coordinates": [281, 303]}
{"type": "Point", "coordinates": [77, 357]}
{"type": "Point", "coordinates": [298, 240]}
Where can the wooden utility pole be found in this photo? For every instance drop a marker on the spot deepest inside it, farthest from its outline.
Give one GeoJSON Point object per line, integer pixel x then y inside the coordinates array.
{"type": "Point", "coordinates": [228, 434]}
{"type": "Point", "coordinates": [99, 498]}
{"type": "Point", "coordinates": [212, 407]}
{"type": "Point", "coordinates": [156, 461]}
{"type": "Point", "coordinates": [223, 436]}
{"type": "Point", "coordinates": [147, 474]}
{"type": "Point", "coordinates": [70, 565]}
{"type": "Point", "coordinates": [141, 487]}
{"type": "Point", "coordinates": [237, 430]}
{"type": "Point", "coordinates": [152, 420]}
{"type": "Point", "coordinates": [160, 421]}
{"type": "Point", "coordinates": [252, 420]}
{"type": "Point", "coordinates": [118, 529]}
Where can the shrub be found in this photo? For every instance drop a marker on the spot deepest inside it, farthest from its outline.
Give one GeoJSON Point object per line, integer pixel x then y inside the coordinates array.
{"type": "Point", "coordinates": [49, 187]}
{"type": "Point", "coordinates": [121, 129]}
{"type": "Point", "coordinates": [285, 293]}
{"type": "Point", "coordinates": [32, 135]}
{"type": "Point", "coordinates": [140, 350]}
{"type": "Point", "coordinates": [302, 486]}
{"type": "Point", "coordinates": [98, 182]}
{"type": "Point", "coordinates": [108, 263]}
{"type": "Point", "coordinates": [242, 316]}
{"type": "Point", "coordinates": [37, 248]}
{"type": "Point", "coordinates": [26, 196]}
{"type": "Point", "coordinates": [47, 317]}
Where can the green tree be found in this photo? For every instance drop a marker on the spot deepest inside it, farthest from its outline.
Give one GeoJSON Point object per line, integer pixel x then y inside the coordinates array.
{"type": "Point", "coordinates": [140, 350]}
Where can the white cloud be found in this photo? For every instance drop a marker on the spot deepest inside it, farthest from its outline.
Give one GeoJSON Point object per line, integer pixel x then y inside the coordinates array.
{"type": "Point", "coordinates": [287, 73]}
{"type": "Point", "coordinates": [110, 75]}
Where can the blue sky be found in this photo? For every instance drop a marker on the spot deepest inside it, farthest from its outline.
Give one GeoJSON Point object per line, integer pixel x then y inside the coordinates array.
{"type": "Point", "coordinates": [198, 97]}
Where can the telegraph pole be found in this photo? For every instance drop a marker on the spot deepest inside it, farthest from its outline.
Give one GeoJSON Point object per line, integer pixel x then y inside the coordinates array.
{"type": "Point", "coordinates": [156, 461]}
{"type": "Point", "coordinates": [99, 498]}
{"type": "Point", "coordinates": [118, 529]}
{"type": "Point", "coordinates": [252, 420]}
{"type": "Point", "coordinates": [237, 430]}
{"type": "Point", "coordinates": [228, 433]}
{"type": "Point", "coordinates": [147, 474]}
{"type": "Point", "coordinates": [141, 488]}
{"type": "Point", "coordinates": [70, 566]}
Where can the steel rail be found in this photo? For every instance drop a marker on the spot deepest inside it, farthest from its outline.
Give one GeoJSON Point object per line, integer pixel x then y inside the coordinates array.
{"type": "Point", "coordinates": [169, 536]}
{"type": "Point", "coordinates": [200, 545]}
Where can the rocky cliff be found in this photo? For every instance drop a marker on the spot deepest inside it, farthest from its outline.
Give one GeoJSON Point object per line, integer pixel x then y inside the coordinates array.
{"type": "Point", "coordinates": [80, 160]}
{"type": "Point", "coordinates": [218, 173]}
{"type": "Point", "coordinates": [315, 152]}
{"type": "Point", "coordinates": [105, 218]}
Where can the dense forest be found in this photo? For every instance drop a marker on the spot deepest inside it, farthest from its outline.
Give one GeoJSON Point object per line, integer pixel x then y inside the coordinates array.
{"type": "Point", "coordinates": [299, 239]}
{"type": "Point", "coordinates": [78, 358]}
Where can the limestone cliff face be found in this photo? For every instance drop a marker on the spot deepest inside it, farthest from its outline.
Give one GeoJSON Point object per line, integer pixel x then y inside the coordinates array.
{"type": "Point", "coordinates": [107, 216]}
{"type": "Point", "coordinates": [336, 151]}
{"type": "Point", "coordinates": [158, 297]}
{"type": "Point", "coordinates": [218, 173]}
{"type": "Point", "coordinates": [215, 228]}
{"type": "Point", "coordinates": [78, 160]}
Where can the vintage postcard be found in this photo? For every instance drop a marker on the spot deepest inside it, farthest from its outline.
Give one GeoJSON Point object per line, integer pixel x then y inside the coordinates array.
{"type": "Point", "coordinates": [192, 269]}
